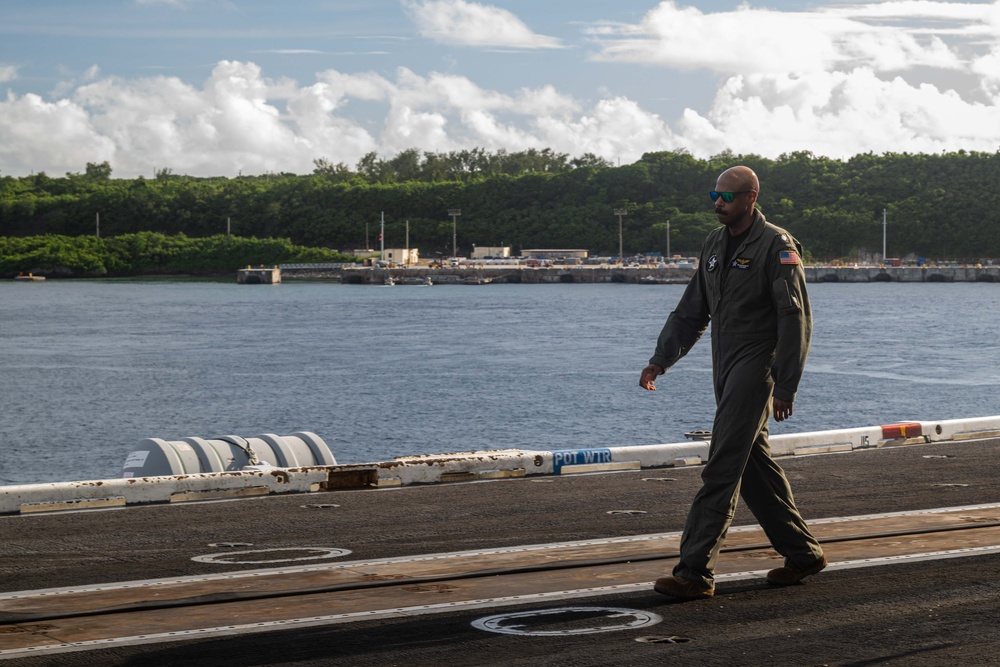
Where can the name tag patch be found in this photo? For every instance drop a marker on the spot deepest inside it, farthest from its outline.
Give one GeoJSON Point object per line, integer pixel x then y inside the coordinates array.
{"type": "Point", "coordinates": [741, 263]}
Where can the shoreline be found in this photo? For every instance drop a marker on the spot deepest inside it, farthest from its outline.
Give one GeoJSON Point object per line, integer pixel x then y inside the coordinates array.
{"type": "Point", "coordinates": [483, 275]}
{"type": "Point", "coordinates": [626, 275]}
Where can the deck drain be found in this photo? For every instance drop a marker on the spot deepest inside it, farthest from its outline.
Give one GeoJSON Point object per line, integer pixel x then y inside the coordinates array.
{"type": "Point", "coordinates": [659, 479]}
{"type": "Point", "coordinates": [949, 485]}
{"type": "Point", "coordinates": [938, 456]}
{"type": "Point", "coordinates": [229, 545]}
{"type": "Point", "coordinates": [625, 512]}
{"type": "Point", "coordinates": [320, 506]}
{"type": "Point", "coordinates": [567, 621]}
{"type": "Point", "coordinates": [673, 639]}
{"type": "Point", "coordinates": [260, 556]}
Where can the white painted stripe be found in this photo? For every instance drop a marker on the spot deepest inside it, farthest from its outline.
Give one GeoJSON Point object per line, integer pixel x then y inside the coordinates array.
{"type": "Point", "coordinates": [452, 555]}
{"type": "Point", "coordinates": [423, 610]}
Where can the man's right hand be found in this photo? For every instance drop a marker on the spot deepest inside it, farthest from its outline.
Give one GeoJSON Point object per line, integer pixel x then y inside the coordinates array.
{"type": "Point", "coordinates": [648, 378]}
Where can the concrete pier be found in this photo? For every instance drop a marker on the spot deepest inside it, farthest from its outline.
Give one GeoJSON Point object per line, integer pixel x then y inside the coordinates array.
{"type": "Point", "coordinates": [259, 276]}
{"type": "Point", "coordinates": [903, 274]}
{"type": "Point", "coordinates": [615, 274]}
{"type": "Point", "coordinates": [487, 275]}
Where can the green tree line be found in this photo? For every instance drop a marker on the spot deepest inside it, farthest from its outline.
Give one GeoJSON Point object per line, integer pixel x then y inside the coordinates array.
{"type": "Point", "coordinates": [146, 253]}
{"type": "Point", "coordinates": [533, 199]}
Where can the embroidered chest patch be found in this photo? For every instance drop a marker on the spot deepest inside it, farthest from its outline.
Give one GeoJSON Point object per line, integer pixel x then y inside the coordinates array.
{"type": "Point", "coordinates": [713, 262]}
{"type": "Point", "coordinates": [741, 263]}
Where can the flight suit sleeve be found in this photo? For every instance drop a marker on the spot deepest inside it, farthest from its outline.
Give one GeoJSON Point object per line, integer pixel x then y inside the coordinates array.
{"type": "Point", "coordinates": [685, 325]}
{"type": "Point", "coordinates": [794, 316]}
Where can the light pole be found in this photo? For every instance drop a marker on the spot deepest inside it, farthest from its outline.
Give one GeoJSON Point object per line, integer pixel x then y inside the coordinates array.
{"type": "Point", "coordinates": [620, 212]}
{"type": "Point", "coordinates": [668, 241]}
{"type": "Point", "coordinates": [454, 213]}
{"type": "Point", "coordinates": [883, 237]}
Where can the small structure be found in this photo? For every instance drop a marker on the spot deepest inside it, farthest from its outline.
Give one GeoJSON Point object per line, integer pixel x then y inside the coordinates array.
{"type": "Point", "coordinates": [554, 253]}
{"type": "Point", "coordinates": [481, 252]}
{"type": "Point", "coordinates": [259, 276]}
{"type": "Point", "coordinates": [402, 256]}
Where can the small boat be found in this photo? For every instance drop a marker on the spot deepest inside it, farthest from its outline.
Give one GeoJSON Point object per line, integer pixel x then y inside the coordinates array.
{"type": "Point", "coordinates": [389, 282]}
{"type": "Point", "coordinates": [29, 278]}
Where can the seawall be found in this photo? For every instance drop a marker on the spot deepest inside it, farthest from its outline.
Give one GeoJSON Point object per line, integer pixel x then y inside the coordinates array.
{"type": "Point", "coordinates": [633, 275]}
{"type": "Point", "coordinates": [903, 274]}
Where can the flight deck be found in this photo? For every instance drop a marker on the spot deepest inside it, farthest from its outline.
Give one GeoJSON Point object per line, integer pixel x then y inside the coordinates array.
{"type": "Point", "coordinates": [553, 570]}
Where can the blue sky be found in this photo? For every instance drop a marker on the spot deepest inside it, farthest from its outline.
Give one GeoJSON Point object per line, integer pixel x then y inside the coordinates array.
{"type": "Point", "coordinates": [221, 87]}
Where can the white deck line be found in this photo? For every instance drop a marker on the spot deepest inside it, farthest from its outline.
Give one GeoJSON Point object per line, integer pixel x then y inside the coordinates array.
{"type": "Point", "coordinates": [464, 605]}
{"type": "Point", "coordinates": [449, 555]}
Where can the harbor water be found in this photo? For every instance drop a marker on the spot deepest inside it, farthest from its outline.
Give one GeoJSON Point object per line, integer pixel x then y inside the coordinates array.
{"type": "Point", "coordinates": [90, 368]}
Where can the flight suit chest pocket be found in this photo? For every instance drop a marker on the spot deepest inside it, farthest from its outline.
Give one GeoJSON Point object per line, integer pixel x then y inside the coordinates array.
{"type": "Point", "coordinates": [740, 273]}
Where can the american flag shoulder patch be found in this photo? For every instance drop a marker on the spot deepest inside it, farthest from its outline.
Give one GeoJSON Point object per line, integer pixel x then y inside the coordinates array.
{"type": "Point", "coordinates": [788, 257]}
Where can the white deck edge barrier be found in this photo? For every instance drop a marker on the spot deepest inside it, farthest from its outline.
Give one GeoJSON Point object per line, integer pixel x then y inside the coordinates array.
{"type": "Point", "coordinates": [461, 466]}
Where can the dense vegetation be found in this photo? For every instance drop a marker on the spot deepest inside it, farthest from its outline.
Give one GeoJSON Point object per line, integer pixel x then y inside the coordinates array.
{"type": "Point", "coordinates": [148, 253]}
{"type": "Point", "coordinates": [936, 206]}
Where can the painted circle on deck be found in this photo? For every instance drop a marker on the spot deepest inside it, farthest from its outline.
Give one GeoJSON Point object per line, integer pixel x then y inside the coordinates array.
{"type": "Point", "coordinates": [230, 557]}
{"type": "Point", "coordinates": [533, 623]}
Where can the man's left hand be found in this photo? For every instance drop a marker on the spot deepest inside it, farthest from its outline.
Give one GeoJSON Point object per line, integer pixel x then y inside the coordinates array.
{"type": "Point", "coordinates": [782, 410]}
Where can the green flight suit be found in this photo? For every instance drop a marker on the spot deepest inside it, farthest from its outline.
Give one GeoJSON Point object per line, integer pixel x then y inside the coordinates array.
{"type": "Point", "coordinates": [757, 304]}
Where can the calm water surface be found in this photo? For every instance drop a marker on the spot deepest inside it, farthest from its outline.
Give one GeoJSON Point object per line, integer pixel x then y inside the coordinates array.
{"type": "Point", "coordinates": [91, 368]}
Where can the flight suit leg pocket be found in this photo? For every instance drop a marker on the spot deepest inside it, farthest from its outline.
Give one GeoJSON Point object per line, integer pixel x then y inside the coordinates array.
{"type": "Point", "coordinates": [786, 297]}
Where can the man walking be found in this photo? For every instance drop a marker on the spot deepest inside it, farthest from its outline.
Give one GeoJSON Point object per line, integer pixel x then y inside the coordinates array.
{"type": "Point", "coordinates": [751, 286]}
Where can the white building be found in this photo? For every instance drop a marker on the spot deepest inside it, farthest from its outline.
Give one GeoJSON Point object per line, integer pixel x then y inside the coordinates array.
{"type": "Point", "coordinates": [479, 252]}
{"type": "Point", "coordinates": [403, 256]}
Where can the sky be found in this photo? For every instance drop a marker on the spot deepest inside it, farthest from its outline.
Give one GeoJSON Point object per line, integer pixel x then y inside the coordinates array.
{"type": "Point", "coordinates": [229, 87]}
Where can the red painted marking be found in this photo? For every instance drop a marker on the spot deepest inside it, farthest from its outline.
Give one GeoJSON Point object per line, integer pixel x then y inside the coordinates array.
{"type": "Point", "coordinates": [896, 431]}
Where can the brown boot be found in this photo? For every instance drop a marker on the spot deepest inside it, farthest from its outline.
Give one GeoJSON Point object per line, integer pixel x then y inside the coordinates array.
{"type": "Point", "coordinates": [681, 588]}
{"type": "Point", "coordinates": [786, 576]}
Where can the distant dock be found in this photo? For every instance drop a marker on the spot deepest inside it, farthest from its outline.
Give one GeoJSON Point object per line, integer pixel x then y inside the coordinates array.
{"type": "Point", "coordinates": [903, 274]}
{"type": "Point", "coordinates": [259, 276]}
{"type": "Point", "coordinates": [484, 275]}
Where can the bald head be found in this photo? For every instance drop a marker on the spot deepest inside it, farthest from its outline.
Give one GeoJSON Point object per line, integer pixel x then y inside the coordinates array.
{"type": "Point", "coordinates": [737, 213]}
{"type": "Point", "coordinates": [738, 178]}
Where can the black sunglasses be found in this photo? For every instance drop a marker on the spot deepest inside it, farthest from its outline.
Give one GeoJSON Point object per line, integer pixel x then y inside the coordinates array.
{"type": "Point", "coordinates": [727, 197]}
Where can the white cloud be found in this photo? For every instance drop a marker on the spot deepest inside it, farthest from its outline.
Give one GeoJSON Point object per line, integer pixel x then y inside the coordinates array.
{"type": "Point", "coordinates": [36, 135]}
{"type": "Point", "coordinates": [887, 36]}
{"type": "Point", "coordinates": [240, 121]}
{"type": "Point", "coordinates": [838, 114]}
{"type": "Point", "coordinates": [472, 24]}
{"type": "Point", "coordinates": [7, 73]}
{"type": "Point", "coordinates": [840, 81]}
{"type": "Point", "coordinates": [987, 67]}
